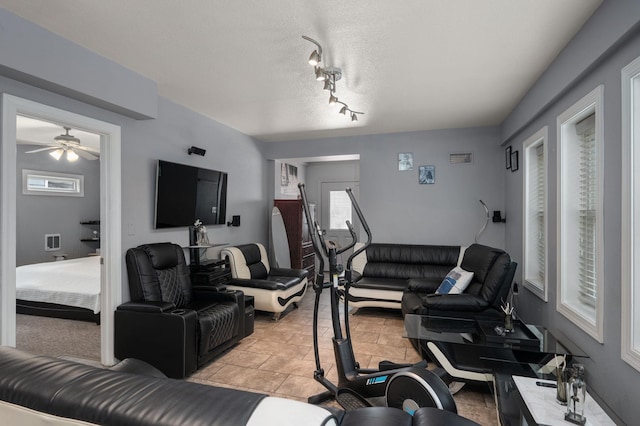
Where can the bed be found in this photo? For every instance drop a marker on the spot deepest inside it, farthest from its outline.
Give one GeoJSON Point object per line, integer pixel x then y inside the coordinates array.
{"type": "Point", "coordinates": [63, 289]}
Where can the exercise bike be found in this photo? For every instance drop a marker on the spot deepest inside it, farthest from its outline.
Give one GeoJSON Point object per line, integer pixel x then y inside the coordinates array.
{"type": "Point", "coordinates": [404, 386]}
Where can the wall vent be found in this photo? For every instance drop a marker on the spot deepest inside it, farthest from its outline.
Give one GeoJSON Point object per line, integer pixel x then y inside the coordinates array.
{"type": "Point", "coordinates": [461, 158]}
{"type": "Point", "coordinates": [51, 242]}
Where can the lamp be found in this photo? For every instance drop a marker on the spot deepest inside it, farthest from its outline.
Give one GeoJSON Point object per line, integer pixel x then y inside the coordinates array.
{"type": "Point", "coordinates": [329, 75]}
{"type": "Point", "coordinates": [57, 153]}
{"type": "Point", "coordinates": [71, 156]}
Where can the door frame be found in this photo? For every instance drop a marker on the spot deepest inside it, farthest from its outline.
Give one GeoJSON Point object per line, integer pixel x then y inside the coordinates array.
{"type": "Point", "coordinates": [110, 215]}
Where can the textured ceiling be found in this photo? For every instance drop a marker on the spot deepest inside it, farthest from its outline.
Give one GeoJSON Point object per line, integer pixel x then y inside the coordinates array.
{"type": "Point", "coordinates": [410, 65]}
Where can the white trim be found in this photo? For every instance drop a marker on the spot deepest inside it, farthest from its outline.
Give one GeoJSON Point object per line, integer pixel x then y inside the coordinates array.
{"type": "Point", "coordinates": [541, 136]}
{"type": "Point", "coordinates": [110, 214]}
{"type": "Point", "coordinates": [630, 283]}
{"type": "Point", "coordinates": [592, 102]}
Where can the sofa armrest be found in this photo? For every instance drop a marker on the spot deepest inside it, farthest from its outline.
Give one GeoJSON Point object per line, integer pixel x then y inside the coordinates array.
{"type": "Point", "coordinates": [423, 285]}
{"type": "Point", "coordinates": [151, 307]}
{"type": "Point", "coordinates": [454, 302]}
{"type": "Point", "coordinates": [284, 272]}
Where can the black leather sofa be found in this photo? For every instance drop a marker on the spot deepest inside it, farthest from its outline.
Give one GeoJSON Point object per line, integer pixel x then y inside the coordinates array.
{"type": "Point", "coordinates": [44, 390]}
{"type": "Point", "coordinates": [406, 276]}
{"type": "Point", "coordinates": [172, 325]}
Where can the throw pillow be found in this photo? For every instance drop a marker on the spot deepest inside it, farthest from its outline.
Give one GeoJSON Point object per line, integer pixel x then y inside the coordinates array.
{"type": "Point", "coordinates": [456, 281]}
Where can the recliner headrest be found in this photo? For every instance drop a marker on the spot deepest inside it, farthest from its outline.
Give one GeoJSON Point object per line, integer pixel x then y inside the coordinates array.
{"type": "Point", "coordinates": [479, 259]}
{"type": "Point", "coordinates": [162, 255]}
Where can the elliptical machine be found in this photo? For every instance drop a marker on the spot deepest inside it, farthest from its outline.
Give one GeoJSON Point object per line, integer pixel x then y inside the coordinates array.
{"type": "Point", "coordinates": [403, 386]}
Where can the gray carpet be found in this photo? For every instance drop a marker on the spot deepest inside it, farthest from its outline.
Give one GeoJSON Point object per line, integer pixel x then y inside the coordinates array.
{"type": "Point", "coordinates": [58, 337]}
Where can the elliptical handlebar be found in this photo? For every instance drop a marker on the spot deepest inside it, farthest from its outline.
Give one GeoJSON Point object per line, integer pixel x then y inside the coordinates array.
{"type": "Point", "coordinates": [365, 226]}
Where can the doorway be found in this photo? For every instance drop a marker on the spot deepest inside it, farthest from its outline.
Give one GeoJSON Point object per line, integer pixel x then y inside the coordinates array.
{"type": "Point", "coordinates": [110, 214]}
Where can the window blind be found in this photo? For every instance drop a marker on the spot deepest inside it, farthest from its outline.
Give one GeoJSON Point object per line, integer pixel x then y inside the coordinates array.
{"type": "Point", "coordinates": [585, 130]}
{"type": "Point", "coordinates": [538, 203]}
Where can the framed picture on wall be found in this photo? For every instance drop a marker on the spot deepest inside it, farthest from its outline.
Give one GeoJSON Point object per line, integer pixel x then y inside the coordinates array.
{"type": "Point", "coordinates": [405, 161]}
{"type": "Point", "coordinates": [507, 157]}
{"type": "Point", "coordinates": [427, 175]}
{"type": "Point", "coordinates": [514, 161]}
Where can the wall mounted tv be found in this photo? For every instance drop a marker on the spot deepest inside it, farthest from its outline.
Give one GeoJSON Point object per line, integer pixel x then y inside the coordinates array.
{"type": "Point", "coordinates": [186, 193]}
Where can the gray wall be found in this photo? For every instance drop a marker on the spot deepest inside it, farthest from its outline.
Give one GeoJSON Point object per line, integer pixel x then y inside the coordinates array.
{"type": "Point", "coordinates": [399, 209]}
{"type": "Point", "coordinates": [612, 379]}
{"type": "Point", "coordinates": [37, 215]}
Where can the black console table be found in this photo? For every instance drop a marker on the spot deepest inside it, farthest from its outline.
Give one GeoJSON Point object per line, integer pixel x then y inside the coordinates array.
{"type": "Point", "coordinates": [215, 273]}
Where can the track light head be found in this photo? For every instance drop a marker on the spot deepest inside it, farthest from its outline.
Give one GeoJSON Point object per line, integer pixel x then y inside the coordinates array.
{"type": "Point", "coordinates": [344, 110]}
{"type": "Point", "coordinates": [315, 58]}
{"type": "Point", "coordinates": [328, 86]}
{"type": "Point", "coordinates": [354, 117]}
{"type": "Point", "coordinates": [332, 99]}
{"type": "Point", "coordinates": [320, 75]}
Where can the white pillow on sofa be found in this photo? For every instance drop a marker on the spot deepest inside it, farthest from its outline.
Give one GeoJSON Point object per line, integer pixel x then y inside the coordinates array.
{"type": "Point", "coordinates": [456, 281]}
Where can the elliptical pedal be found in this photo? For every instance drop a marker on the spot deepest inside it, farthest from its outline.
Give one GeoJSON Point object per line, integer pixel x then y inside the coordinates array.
{"type": "Point", "coordinates": [349, 400]}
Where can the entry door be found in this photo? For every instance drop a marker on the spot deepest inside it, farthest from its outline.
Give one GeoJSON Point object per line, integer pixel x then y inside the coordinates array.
{"type": "Point", "coordinates": [336, 210]}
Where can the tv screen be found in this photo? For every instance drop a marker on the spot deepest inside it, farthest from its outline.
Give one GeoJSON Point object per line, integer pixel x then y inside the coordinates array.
{"type": "Point", "coordinates": [186, 193]}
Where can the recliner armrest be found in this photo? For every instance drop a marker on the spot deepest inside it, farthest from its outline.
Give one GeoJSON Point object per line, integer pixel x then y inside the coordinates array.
{"type": "Point", "coordinates": [284, 272]}
{"type": "Point", "coordinates": [157, 307]}
{"type": "Point", "coordinates": [454, 302]}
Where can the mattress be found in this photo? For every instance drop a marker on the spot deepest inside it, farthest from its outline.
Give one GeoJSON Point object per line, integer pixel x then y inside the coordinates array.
{"type": "Point", "coordinates": [73, 282]}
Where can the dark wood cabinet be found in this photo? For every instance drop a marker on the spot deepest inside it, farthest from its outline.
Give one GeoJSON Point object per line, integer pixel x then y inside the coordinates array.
{"type": "Point", "coordinates": [300, 245]}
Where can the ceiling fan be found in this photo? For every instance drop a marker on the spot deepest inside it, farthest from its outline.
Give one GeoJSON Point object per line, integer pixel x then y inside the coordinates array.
{"type": "Point", "coordinates": [70, 145]}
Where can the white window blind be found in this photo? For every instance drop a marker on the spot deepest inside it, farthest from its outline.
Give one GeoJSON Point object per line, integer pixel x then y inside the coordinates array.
{"type": "Point", "coordinates": [535, 213]}
{"type": "Point", "coordinates": [537, 200]}
{"type": "Point", "coordinates": [585, 130]}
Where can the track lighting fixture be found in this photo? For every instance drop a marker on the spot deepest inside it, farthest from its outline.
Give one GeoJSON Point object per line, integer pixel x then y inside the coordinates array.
{"type": "Point", "coordinates": [329, 75]}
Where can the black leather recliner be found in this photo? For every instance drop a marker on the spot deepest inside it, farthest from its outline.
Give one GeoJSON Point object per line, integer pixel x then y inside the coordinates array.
{"type": "Point", "coordinates": [493, 274]}
{"type": "Point", "coordinates": [172, 325]}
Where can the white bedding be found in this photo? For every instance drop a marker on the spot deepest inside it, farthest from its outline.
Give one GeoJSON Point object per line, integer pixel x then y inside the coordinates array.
{"type": "Point", "coordinates": [73, 282]}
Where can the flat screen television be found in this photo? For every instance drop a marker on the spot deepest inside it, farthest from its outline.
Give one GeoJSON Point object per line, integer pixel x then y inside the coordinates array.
{"type": "Point", "coordinates": [186, 193]}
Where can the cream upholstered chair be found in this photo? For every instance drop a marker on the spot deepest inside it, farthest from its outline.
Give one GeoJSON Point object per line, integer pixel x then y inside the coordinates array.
{"type": "Point", "coordinates": [274, 289]}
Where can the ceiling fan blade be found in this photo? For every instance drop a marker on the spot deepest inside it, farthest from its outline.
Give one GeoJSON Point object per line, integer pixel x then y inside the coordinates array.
{"type": "Point", "coordinates": [84, 154]}
{"type": "Point", "coordinates": [42, 149]}
{"type": "Point", "coordinates": [86, 148]}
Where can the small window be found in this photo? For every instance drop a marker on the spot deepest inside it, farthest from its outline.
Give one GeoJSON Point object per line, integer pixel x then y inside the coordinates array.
{"type": "Point", "coordinates": [339, 210]}
{"type": "Point", "coordinates": [580, 206]}
{"type": "Point", "coordinates": [631, 214]}
{"type": "Point", "coordinates": [36, 182]}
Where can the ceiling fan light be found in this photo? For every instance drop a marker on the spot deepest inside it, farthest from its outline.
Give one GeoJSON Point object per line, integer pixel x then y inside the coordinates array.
{"type": "Point", "coordinates": [57, 153]}
{"type": "Point", "coordinates": [72, 156]}
{"type": "Point", "coordinates": [315, 58]}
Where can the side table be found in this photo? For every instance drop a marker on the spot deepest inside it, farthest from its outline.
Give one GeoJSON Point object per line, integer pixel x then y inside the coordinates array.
{"type": "Point", "coordinates": [538, 406]}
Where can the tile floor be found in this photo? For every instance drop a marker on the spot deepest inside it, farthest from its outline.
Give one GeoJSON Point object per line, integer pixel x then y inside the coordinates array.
{"type": "Point", "coordinates": [278, 358]}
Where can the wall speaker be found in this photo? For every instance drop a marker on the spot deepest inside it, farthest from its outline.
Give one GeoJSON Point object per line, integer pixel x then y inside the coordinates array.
{"type": "Point", "coordinates": [235, 221]}
{"type": "Point", "coordinates": [197, 151]}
